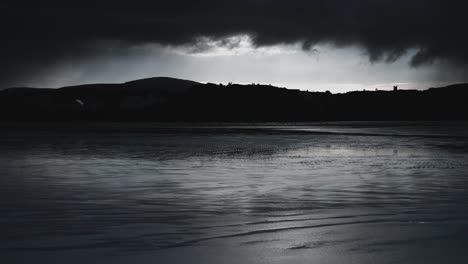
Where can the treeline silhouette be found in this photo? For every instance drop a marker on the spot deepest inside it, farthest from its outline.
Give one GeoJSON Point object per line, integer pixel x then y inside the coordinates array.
{"type": "Point", "coordinates": [167, 99]}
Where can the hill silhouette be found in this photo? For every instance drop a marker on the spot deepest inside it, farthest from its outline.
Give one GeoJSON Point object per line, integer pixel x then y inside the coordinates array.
{"type": "Point", "coordinates": [168, 99]}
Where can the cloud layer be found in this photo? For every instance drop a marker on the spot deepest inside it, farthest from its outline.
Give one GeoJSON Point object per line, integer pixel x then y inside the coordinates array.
{"type": "Point", "coordinates": [38, 34]}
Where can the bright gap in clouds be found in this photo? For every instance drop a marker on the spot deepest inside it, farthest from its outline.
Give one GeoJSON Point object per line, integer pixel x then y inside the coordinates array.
{"type": "Point", "coordinates": [238, 45]}
{"type": "Point", "coordinates": [236, 59]}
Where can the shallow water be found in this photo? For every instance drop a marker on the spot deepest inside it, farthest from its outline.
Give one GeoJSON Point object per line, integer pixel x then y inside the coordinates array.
{"type": "Point", "coordinates": [320, 193]}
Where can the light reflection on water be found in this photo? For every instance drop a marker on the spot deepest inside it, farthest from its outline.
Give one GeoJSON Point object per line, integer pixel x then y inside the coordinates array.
{"type": "Point", "coordinates": [262, 194]}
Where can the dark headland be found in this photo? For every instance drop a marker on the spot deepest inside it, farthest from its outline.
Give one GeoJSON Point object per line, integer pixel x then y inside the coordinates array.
{"type": "Point", "coordinates": [167, 99]}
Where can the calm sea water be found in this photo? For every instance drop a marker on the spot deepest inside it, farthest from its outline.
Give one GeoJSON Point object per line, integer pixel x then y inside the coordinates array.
{"type": "Point", "coordinates": [309, 193]}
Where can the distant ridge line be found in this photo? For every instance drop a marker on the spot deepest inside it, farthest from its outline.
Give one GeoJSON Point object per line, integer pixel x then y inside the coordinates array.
{"type": "Point", "coordinates": [166, 99]}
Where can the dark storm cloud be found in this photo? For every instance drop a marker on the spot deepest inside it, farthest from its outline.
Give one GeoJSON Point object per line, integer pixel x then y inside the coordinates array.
{"type": "Point", "coordinates": [40, 33]}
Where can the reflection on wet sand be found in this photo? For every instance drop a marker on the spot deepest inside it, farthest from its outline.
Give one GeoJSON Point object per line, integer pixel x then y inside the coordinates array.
{"type": "Point", "coordinates": [269, 194]}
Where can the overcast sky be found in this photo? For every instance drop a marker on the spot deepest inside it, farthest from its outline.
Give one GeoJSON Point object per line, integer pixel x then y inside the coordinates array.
{"type": "Point", "coordinates": [334, 45]}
